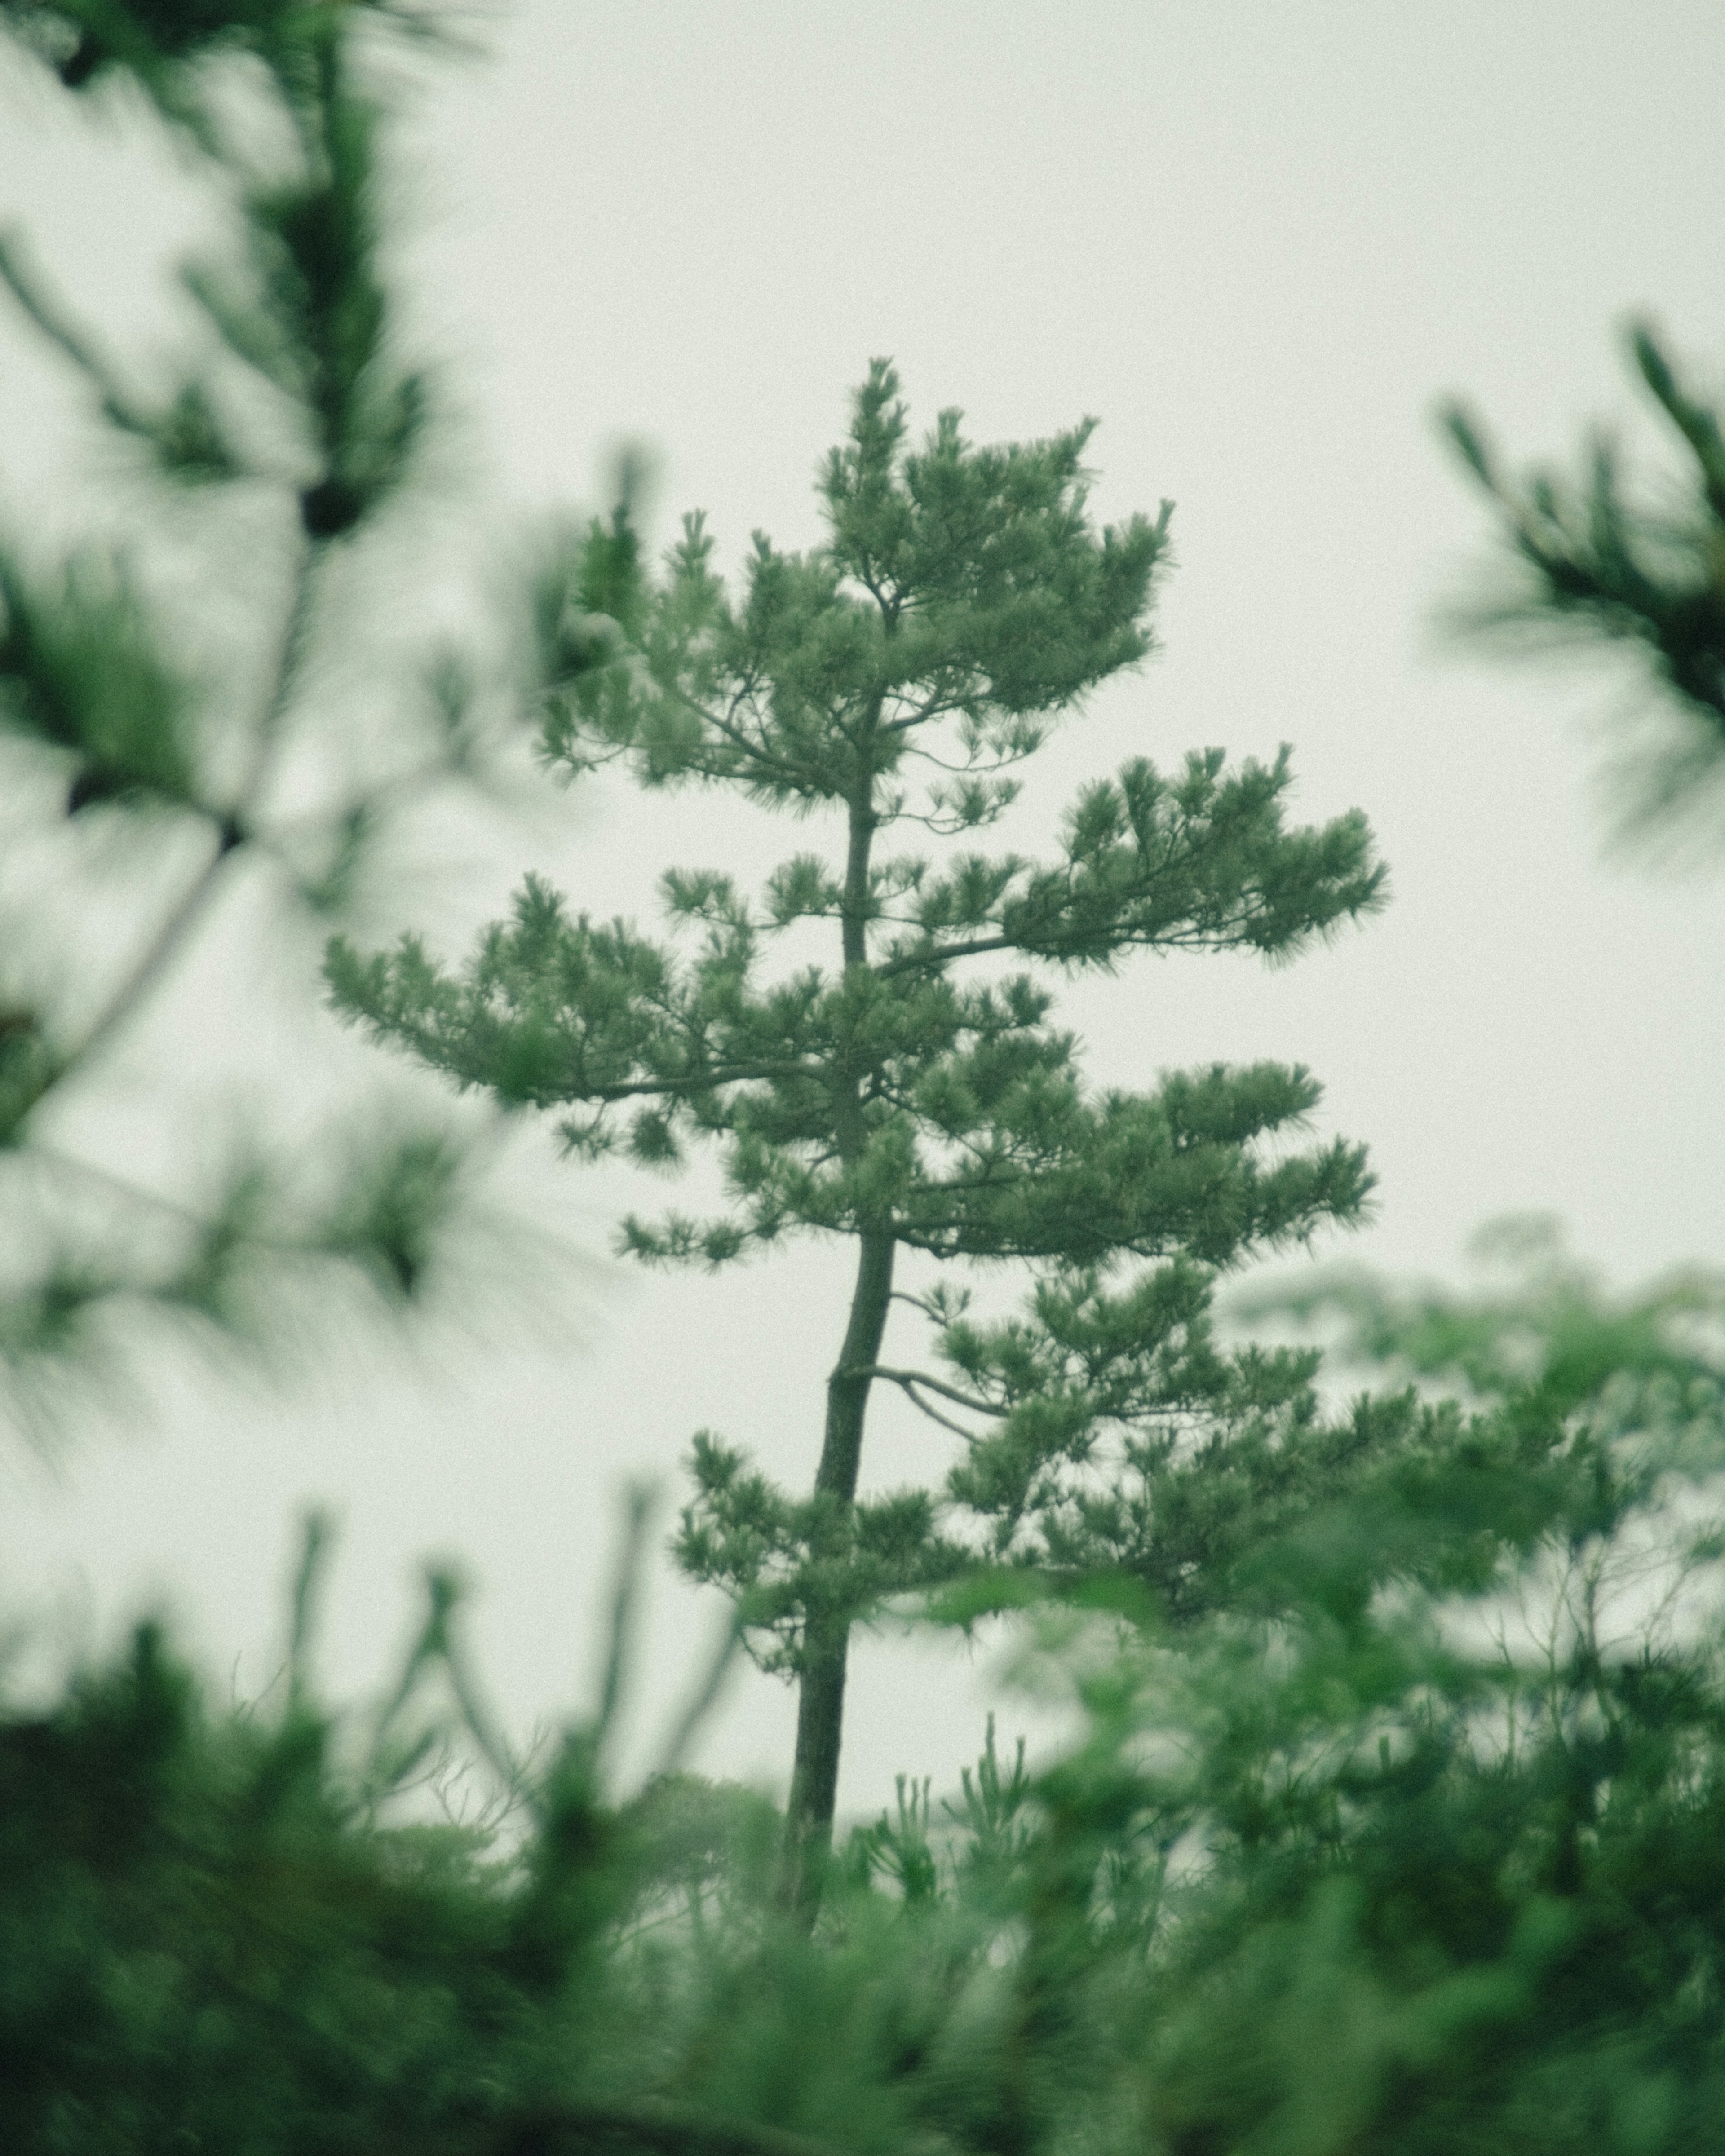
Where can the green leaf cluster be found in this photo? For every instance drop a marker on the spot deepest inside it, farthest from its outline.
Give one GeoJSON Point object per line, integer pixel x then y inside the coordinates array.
{"type": "Point", "coordinates": [81, 671]}
{"type": "Point", "coordinates": [241, 1929]}
{"type": "Point", "coordinates": [958, 584]}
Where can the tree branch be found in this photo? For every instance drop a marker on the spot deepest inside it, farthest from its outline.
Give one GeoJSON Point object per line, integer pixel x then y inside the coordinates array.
{"type": "Point", "coordinates": [908, 1381]}
{"type": "Point", "coordinates": [732, 731]}
{"type": "Point", "coordinates": [739, 1074]}
{"type": "Point", "coordinates": [233, 831]}
{"type": "Point", "coordinates": [26, 287]}
{"type": "Point", "coordinates": [942, 954]}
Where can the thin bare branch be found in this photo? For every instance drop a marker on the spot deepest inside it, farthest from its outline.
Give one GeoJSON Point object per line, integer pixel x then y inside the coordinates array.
{"type": "Point", "coordinates": [910, 1381]}
{"type": "Point", "coordinates": [233, 832]}
{"type": "Point", "coordinates": [934, 1384]}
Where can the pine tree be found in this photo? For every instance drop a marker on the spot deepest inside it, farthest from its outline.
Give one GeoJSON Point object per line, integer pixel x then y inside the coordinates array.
{"type": "Point", "coordinates": [913, 1095]}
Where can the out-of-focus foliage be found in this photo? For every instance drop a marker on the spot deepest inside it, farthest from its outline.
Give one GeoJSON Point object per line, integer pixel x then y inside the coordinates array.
{"type": "Point", "coordinates": [1594, 559]}
{"type": "Point", "coordinates": [160, 777]}
{"type": "Point", "coordinates": [237, 1930]}
{"type": "Point", "coordinates": [1411, 1840]}
{"type": "Point", "coordinates": [1457, 1804]}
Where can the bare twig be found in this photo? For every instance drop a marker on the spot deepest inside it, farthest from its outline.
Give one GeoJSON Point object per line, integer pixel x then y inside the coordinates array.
{"type": "Point", "coordinates": [232, 830]}
{"type": "Point", "coordinates": [909, 1382]}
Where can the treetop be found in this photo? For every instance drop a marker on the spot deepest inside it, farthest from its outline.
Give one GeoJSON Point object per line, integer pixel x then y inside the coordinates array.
{"type": "Point", "coordinates": [963, 599]}
{"type": "Point", "coordinates": [958, 584]}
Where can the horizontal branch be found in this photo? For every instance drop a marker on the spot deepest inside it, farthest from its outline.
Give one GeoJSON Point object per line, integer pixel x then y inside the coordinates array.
{"type": "Point", "coordinates": [942, 954]}
{"type": "Point", "coordinates": [741, 1074]}
{"type": "Point", "coordinates": [1228, 936]}
{"type": "Point", "coordinates": [909, 1382]}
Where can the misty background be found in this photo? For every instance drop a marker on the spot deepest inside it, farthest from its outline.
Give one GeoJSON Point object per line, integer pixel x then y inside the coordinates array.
{"type": "Point", "coordinates": [1258, 242]}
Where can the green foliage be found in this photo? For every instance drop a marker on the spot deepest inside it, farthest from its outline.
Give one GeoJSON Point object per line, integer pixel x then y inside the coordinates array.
{"type": "Point", "coordinates": [230, 1930]}
{"type": "Point", "coordinates": [780, 1557]}
{"type": "Point", "coordinates": [1407, 1839]}
{"type": "Point", "coordinates": [1457, 1800]}
{"type": "Point", "coordinates": [1592, 564]}
{"type": "Point", "coordinates": [159, 45]}
{"type": "Point", "coordinates": [1126, 1440]}
{"type": "Point", "coordinates": [1394, 1819]}
{"type": "Point", "coordinates": [82, 672]}
{"type": "Point", "coordinates": [958, 583]}
{"type": "Point", "coordinates": [305, 412]}
{"type": "Point", "coordinates": [204, 1946]}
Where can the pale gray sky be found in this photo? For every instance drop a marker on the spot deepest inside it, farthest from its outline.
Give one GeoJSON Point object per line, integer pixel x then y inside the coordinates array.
{"type": "Point", "coordinates": [1258, 241]}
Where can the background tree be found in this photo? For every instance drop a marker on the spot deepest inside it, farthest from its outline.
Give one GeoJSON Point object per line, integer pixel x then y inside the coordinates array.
{"type": "Point", "coordinates": [1407, 1842]}
{"type": "Point", "coordinates": [160, 770]}
{"type": "Point", "coordinates": [913, 1093]}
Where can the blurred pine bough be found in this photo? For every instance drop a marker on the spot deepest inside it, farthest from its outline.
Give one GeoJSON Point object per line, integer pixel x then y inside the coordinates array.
{"type": "Point", "coordinates": [1594, 560]}
{"type": "Point", "coordinates": [162, 780]}
{"type": "Point", "coordinates": [1414, 1841]}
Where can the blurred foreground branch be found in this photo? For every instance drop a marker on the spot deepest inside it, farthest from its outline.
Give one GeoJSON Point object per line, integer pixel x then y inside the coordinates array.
{"type": "Point", "coordinates": [1592, 563]}
{"type": "Point", "coordinates": [155, 790]}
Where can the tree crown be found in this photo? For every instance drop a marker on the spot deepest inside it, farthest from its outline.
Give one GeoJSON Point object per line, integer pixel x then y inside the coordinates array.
{"type": "Point", "coordinates": [963, 604]}
{"type": "Point", "coordinates": [917, 1092]}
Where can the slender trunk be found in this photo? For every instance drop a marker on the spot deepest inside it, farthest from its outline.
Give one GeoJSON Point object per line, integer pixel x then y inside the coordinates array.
{"type": "Point", "coordinates": [820, 1703]}
{"type": "Point", "coordinates": [820, 1700]}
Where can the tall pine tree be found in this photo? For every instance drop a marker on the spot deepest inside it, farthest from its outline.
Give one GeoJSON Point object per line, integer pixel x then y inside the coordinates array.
{"type": "Point", "coordinates": [914, 1094]}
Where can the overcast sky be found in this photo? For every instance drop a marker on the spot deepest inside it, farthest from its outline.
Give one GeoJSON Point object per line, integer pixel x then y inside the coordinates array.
{"type": "Point", "coordinates": [1258, 241]}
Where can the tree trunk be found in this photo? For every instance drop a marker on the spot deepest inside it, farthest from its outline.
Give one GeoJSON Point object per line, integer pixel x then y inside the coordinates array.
{"type": "Point", "coordinates": [820, 1703]}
